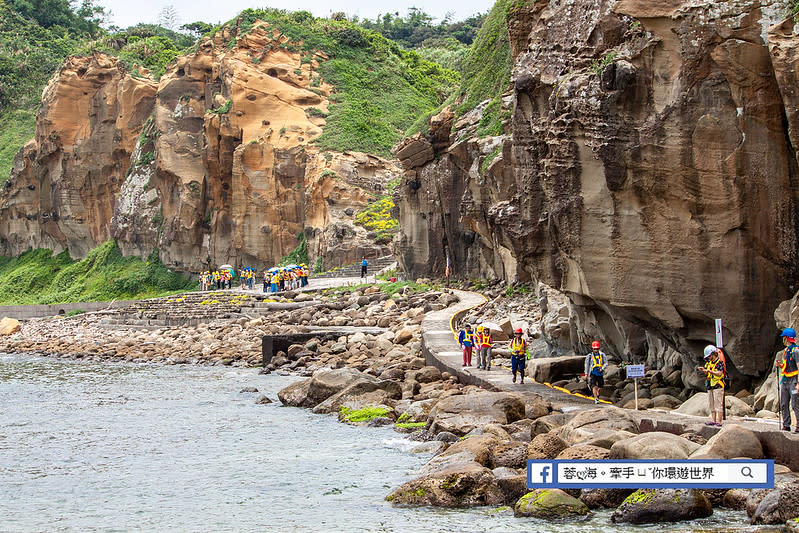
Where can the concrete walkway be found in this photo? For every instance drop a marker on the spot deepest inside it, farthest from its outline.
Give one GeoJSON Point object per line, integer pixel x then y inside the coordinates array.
{"type": "Point", "coordinates": [440, 348]}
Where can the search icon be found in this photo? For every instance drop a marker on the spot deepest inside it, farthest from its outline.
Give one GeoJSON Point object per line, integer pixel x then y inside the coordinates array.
{"type": "Point", "coordinates": [747, 472]}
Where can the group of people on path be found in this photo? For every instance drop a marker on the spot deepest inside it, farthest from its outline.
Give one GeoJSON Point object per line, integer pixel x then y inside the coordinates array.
{"type": "Point", "coordinates": [285, 278]}
{"type": "Point", "coordinates": [275, 279]}
{"type": "Point", "coordinates": [218, 279]}
{"type": "Point", "coordinates": [482, 341]}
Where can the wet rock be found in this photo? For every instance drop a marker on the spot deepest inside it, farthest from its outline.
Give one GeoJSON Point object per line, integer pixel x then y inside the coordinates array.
{"type": "Point", "coordinates": [262, 400]}
{"type": "Point", "coordinates": [735, 499]}
{"type": "Point", "coordinates": [464, 486]}
{"type": "Point", "coordinates": [607, 498]}
{"type": "Point", "coordinates": [653, 445]}
{"type": "Point", "coordinates": [646, 506]}
{"type": "Point", "coordinates": [446, 436]}
{"type": "Point", "coordinates": [777, 506]}
{"type": "Point", "coordinates": [549, 503]}
{"type": "Point", "coordinates": [248, 389]}
{"type": "Point", "coordinates": [476, 449]}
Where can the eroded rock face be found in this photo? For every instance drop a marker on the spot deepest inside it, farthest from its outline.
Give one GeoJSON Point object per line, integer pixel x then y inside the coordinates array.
{"type": "Point", "coordinates": [647, 176]}
{"type": "Point", "coordinates": [211, 164]}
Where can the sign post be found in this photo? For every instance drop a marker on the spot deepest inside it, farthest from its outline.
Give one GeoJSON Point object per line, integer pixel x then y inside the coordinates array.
{"type": "Point", "coordinates": [635, 372]}
{"type": "Point", "coordinates": [719, 339]}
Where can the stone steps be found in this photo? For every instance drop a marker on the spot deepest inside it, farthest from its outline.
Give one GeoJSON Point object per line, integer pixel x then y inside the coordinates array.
{"type": "Point", "coordinates": [354, 270]}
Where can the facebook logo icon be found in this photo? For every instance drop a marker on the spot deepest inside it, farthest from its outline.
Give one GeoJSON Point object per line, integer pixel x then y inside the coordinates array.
{"type": "Point", "coordinates": [540, 474]}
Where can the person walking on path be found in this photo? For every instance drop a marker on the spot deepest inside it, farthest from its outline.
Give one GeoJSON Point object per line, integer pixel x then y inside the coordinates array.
{"type": "Point", "coordinates": [518, 354]}
{"type": "Point", "coordinates": [595, 364]}
{"type": "Point", "coordinates": [466, 340]}
{"type": "Point", "coordinates": [788, 372]}
{"type": "Point", "coordinates": [714, 371]}
{"type": "Point", "coordinates": [364, 264]}
{"type": "Point", "coordinates": [484, 344]}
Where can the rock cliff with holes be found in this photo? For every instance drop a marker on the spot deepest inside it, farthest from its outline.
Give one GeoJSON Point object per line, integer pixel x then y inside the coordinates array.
{"type": "Point", "coordinates": [648, 172]}
{"type": "Point", "coordinates": [213, 163]}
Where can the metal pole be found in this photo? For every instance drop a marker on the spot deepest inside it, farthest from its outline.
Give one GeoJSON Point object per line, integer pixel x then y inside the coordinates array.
{"type": "Point", "coordinates": [636, 393]}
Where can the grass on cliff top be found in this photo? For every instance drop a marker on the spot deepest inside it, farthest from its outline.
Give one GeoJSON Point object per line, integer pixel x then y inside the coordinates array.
{"type": "Point", "coordinates": [380, 89]}
{"type": "Point", "coordinates": [486, 71]}
{"type": "Point", "coordinates": [39, 277]}
{"type": "Point", "coordinates": [17, 127]}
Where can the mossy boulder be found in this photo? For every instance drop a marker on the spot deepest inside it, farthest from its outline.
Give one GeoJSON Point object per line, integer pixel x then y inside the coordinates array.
{"type": "Point", "coordinates": [363, 415]}
{"type": "Point", "coordinates": [549, 503]}
{"type": "Point", "coordinates": [646, 506]}
{"type": "Point", "coordinates": [463, 486]}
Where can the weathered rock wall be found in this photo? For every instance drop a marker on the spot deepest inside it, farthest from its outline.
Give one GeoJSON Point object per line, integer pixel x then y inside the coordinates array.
{"type": "Point", "coordinates": [650, 174]}
{"type": "Point", "coordinates": [211, 164]}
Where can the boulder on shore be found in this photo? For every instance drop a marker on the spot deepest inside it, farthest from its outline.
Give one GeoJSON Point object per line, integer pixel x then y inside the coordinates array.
{"type": "Point", "coordinates": [9, 326]}
{"type": "Point", "coordinates": [731, 442]}
{"type": "Point", "coordinates": [549, 503]}
{"type": "Point", "coordinates": [323, 384]}
{"type": "Point", "coordinates": [462, 413]}
{"type": "Point", "coordinates": [463, 486]}
{"type": "Point", "coordinates": [653, 445]}
{"type": "Point", "coordinates": [648, 506]}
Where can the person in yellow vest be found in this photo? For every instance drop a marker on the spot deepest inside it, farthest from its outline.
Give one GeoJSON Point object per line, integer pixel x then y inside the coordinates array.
{"type": "Point", "coordinates": [788, 369]}
{"type": "Point", "coordinates": [714, 374]}
{"type": "Point", "coordinates": [484, 344]}
{"type": "Point", "coordinates": [466, 340]}
{"type": "Point", "coordinates": [595, 364]}
{"type": "Point", "coordinates": [518, 354]}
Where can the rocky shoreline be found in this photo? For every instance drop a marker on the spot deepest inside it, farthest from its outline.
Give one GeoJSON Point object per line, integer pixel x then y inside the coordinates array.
{"type": "Point", "coordinates": [481, 439]}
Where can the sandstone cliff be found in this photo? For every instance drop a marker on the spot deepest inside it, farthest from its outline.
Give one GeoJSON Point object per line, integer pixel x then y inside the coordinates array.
{"type": "Point", "coordinates": [649, 172]}
{"type": "Point", "coordinates": [210, 164]}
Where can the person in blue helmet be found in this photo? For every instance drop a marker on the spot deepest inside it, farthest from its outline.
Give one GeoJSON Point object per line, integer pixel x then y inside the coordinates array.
{"type": "Point", "coordinates": [788, 372]}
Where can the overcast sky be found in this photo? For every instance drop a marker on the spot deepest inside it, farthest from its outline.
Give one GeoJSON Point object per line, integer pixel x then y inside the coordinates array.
{"type": "Point", "coordinates": [126, 13]}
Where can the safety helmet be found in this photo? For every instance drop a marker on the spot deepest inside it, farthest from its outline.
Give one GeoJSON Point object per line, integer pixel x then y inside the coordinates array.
{"type": "Point", "coordinates": [595, 345]}
{"type": "Point", "coordinates": [480, 328]}
{"type": "Point", "coordinates": [789, 332]}
{"type": "Point", "coordinates": [518, 331]}
{"type": "Point", "coordinates": [710, 350]}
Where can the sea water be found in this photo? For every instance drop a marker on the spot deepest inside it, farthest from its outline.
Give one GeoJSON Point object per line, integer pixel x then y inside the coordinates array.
{"type": "Point", "coordinates": [126, 447]}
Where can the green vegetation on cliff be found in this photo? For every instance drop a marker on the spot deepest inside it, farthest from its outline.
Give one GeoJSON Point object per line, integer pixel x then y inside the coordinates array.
{"type": "Point", "coordinates": [39, 277]}
{"type": "Point", "coordinates": [380, 89]}
{"type": "Point", "coordinates": [487, 69]}
{"type": "Point", "coordinates": [29, 54]}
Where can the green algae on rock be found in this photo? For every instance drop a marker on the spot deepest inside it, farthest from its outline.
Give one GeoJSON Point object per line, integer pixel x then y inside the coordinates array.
{"type": "Point", "coordinates": [365, 414]}
{"type": "Point", "coordinates": [673, 505]}
{"type": "Point", "coordinates": [549, 503]}
{"type": "Point", "coordinates": [465, 485]}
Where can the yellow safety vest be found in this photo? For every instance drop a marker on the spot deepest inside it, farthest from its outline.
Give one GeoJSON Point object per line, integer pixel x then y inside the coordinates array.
{"type": "Point", "coordinates": [596, 360]}
{"type": "Point", "coordinates": [518, 348]}
{"type": "Point", "coordinates": [467, 336]}
{"type": "Point", "coordinates": [714, 379]}
{"type": "Point", "coordinates": [486, 340]}
{"type": "Point", "coordinates": [784, 366]}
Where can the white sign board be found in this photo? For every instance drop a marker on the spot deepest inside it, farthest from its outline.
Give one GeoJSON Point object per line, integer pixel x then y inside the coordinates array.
{"type": "Point", "coordinates": [719, 340]}
{"type": "Point", "coordinates": [635, 371]}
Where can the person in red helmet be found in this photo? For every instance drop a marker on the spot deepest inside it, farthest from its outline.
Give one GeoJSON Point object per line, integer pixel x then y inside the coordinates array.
{"type": "Point", "coordinates": [595, 364]}
{"type": "Point", "coordinates": [518, 354]}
